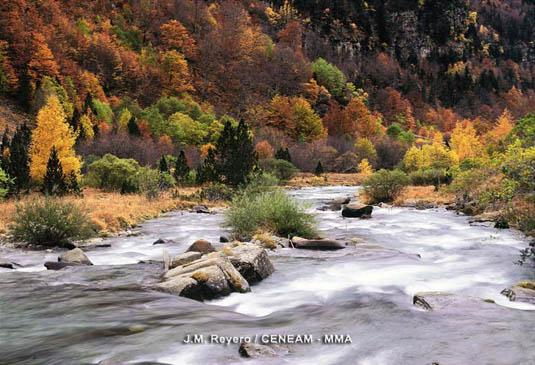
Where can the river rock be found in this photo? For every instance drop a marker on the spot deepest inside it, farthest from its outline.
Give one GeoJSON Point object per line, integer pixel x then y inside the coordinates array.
{"type": "Point", "coordinates": [55, 265]}
{"type": "Point", "coordinates": [357, 211]}
{"type": "Point", "coordinates": [201, 209]}
{"type": "Point", "coordinates": [251, 261]}
{"type": "Point", "coordinates": [323, 245]}
{"type": "Point", "coordinates": [76, 256]}
{"type": "Point", "coordinates": [355, 241]}
{"type": "Point", "coordinates": [201, 246]}
{"type": "Point", "coordinates": [521, 292]}
{"type": "Point", "coordinates": [162, 241]}
{"type": "Point", "coordinates": [9, 265]}
{"type": "Point", "coordinates": [453, 303]}
{"type": "Point", "coordinates": [209, 277]}
{"type": "Point", "coordinates": [185, 258]}
{"type": "Point", "coordinates": [255, 350]}
{"type": "Point", "coordinates": [336, 204]}
{"type": "Point", "coordinates": [224, 239]}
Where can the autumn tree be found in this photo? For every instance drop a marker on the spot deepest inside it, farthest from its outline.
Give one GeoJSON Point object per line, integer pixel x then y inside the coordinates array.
{"type": "Point", "coordinates": [175, 76]}
{"type": "Point", "coordinates": [365, 123]}
{"type": "Point", "coordinates": [264, 150]}
{"type": "Point", "coordinates": [464, 140]}
{"type": "Point", "coordinates": [294, 116]}
{"type": "Point", "coordinates": [52, 130]}
{"type": "Point", "coordinates": [504, 125]}
{"type": "Point", "coordinates": [42, 60]}
{"type": "Point", "coordinates": [176, 37]}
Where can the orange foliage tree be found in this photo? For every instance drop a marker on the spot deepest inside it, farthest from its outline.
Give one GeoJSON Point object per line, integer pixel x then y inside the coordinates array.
{"type": "Point", "coordinates": [264, 150]}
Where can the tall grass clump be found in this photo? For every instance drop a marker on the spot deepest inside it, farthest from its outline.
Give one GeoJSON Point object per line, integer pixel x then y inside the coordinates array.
{"type": "Point", "coordinates": [50, 222]}
{"type": "Point", "coordinates": [271, 211]}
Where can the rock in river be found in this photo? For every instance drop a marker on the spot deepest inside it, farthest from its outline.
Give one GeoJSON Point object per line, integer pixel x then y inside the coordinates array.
{"type": "Point", "coordinates": [201, 246]}
{"type": "Point", "coordinates": [357, 211]}
{"type": "Point", "coordinates": [251, 261]}
{"type": "Point", "coordinates": [323, 245]}
{"type": "Point", "coordinates": [336, 204]}
{"type": "Point", "coordinates": [76, 256]}
{"type": "Point", "coordinates": [185, 258]}
{"type": "Point", "coordinates": [209, 277]}
{"type": "Point", "coordinates": [521, 292]}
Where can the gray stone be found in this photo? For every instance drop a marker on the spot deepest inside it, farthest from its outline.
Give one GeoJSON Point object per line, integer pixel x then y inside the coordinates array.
{"type": "Point", "coordinates": [76, 256]}
{"type": "Point", "coordinates": [201, 209]}
{"type": "Point", "coordinates": [520, 294]}
{"type": "Point", "coordinates": [9, 265]}
{"type": "Point", "coordinates": [324, 245]}
{"type": "Point", "coordinates": [185, 258]}
{"type": "Point", "coordinates": [163, 241]}
{"type": "Point", "coordinates": [201, 246]}
{"type": "Point", "coordinates": [252, 262]}
{"type": "Point", "coordinates": [54, 265]}
{"type": "Point", "coordinates": [357, 211]}
{"type": "Point", "coordinates": [336, 204]}
{"type": "Point", "coordinates": [166, 260]}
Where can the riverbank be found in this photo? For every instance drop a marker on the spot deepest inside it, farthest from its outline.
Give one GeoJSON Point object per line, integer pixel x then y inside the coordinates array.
{"type": "Point", "coordinates": [111, 213]}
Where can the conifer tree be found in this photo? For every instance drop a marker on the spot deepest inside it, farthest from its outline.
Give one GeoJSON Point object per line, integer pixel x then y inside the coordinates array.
{"type": "Point", "coordinates": [207, 172]}
{"type": "Point", "coordinates": [74, 187]}
{"type": "Point", "coordinates": [133, 128]}
{"type": "Point", "coordinates": [24, 93]}
{"type": "Point", "coordinates": [236, 154]}
{"type": "Point", "coordinates": [4, 146]}
{"type": "Point", "coordinates": [162, 165]}
{"type": "Point", "coordinates": [54, 182]}
{"type": "Point", "coordinates": [319, 169]}
{"type": "Point", "coordinates": [283, 154]}
{"type": "Point", "coordinates": [52, 130]}
{"type": "Point", "coordinates": [181, 168]}
{"type": "Point", "coordinates": [18, 164]}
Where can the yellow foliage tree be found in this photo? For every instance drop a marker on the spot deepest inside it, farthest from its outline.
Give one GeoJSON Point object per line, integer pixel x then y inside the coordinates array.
{"type": "Point", "coordinates": [52, 130]}
{"type": "Point", "coordinates": [124, 118]}
{"type": "Point", "coordinates": [364, 168]}
{"type": "Point", "coordinates": [434, 155]}
{"type": "Point", "coordinates": [87, 127]}
{"type": "Point", "coordinates": [464, 140]}
{"type": "Point", "coordinates": [503, 126]}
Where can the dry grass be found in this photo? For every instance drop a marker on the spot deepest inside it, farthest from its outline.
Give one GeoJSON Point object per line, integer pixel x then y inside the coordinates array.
{"type": "Point", "coordinates": [426, 194]}
{"type": "Point", "coordinates": [327, 179]}
{"type": "Point", "coordinates": [112, 212]}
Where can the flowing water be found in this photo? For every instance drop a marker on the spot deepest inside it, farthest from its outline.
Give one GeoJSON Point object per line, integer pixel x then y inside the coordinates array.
{"type": "Point", "coordinates": [107, 311]}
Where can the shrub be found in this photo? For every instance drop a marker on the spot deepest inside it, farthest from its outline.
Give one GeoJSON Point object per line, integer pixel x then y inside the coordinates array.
{"type": "Point", "coordinates": [384, 185]}
{"type": "Point", "coordinates": [5, 183]}
{"type": "Point", "coordinates": [428, 177]}
{"type": "Point", "coordinates": [260, 183]}
{"type": "Point", "coordinates": [110, 172]}
{"type": "Point", "coordinates": [281, 169]}
{"type": "Point", "coordinates": [271, 211]}
{"type": "Point", "coordinates": [50, 222]}
{"type": "Point", "coordinates": [215, 192]}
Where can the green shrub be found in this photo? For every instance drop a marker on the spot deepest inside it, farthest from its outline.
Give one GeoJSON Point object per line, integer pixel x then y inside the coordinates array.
{"type": "Point", "coordinates": [269, 212]}
{"type": "Point", "coordinates": [260, 183]}
{"type": "Point", "coordinates": [385, 185]}
{"type": "Point", "coordinates": [150, 182]}
{"type": "Point", "coordinates": [110, 172]}
{"type": "Point", "coordinates": [215, 192]}
{"type": "Point", "coordinates": [428, 177]}
{"type": "Point", "coordinates": [281, 169]}
{"type": "Point", "coordinates": [5, 183]}
{"type": "Point", "coordinates": [50, 222]}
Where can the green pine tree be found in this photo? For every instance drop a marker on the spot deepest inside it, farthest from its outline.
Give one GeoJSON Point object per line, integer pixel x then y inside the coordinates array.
{"type": "Point", "coordinates": [74, 187]}
{"type": "Point", "coordinates": [54, 182]}
{"type": "Point", "coordinates": [133, 128]}
{"type": "Point", "coordinates": [319, 169]}
{"type": "Point", "coordinates": [162, 165]}
{"type": "Point", "coordinates": [236, 154]}
{"type": "Point", "coordinates": [181, 168]}
{"type": "Point", "coordinates": [18, 166]}
{"type": "Point", "coordinates": [207, 172]}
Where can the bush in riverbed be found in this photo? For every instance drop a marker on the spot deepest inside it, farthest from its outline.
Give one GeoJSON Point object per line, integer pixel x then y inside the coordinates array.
{"type": "Point", "coordinates": [50, 222]}
{"type": "Point", "coordinates": [385, 186]}
{"type": "Point", "coordinates": [282, 169]}
{"type": "Point", "coordinates": [270, 211]}
{"type": "Point", "coordinates": [428, 177]}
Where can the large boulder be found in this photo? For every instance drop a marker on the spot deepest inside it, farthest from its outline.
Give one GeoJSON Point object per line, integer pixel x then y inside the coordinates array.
{"type": "Point", "coordinates": [201, 246]}
{"type": "Point", "coordinates": [76, 256]}
{"type": "Point", "coordinates": [251, 261]}
{"type": "Point", "coordinates": [209, 277]}
{"type": "Point", "coordinates": [357, 211]}
{"type": "Point", "coordinates": [521, 292]}
{"type": "Point", "coordinates": [323, 245]}
{"type": "Point", "coordinates": [185, 258]}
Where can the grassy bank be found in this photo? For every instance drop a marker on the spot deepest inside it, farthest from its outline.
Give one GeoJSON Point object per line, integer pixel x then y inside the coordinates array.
{"type": "Point", "coordinates": [304, 179]}
{"type": "Point", "coordinates": [112, 212]}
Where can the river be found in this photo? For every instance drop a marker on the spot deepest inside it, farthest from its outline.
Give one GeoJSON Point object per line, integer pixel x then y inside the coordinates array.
{"type": "Point", "coordinates": [88, 314]}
